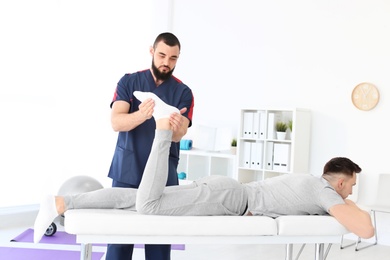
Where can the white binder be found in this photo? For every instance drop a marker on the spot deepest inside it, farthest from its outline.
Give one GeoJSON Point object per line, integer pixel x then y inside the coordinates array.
{"type": "Point", "coordinates": [256, 125]}
{"type": "Point", "coordinates": [257, 156]}
{"type": "Point", "coordinates": [247, 128]}
{"type": "Point", "coordinates": [246, 160]}
{"type": "Point", "coordinates": [262, 127]}
{"type": "Point", "coordinates": [281, 157]}
{"type": "Point", "coordinates": [269, 160]}
{"type": "Point", "coordinates": [273, 118]}
{"type": "Point", "coordinates": [259, 123]}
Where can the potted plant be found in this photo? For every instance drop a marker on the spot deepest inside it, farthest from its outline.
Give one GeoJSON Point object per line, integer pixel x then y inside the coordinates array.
{"type": "Point", "coordinates": [233, 145]}
{"type": "Point", "coordinates": [281, 128]}
{"type": "Point", "coordinates": [290, 125]}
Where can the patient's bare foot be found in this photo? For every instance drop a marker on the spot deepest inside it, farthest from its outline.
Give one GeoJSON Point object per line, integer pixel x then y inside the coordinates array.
{"type": "Point", "coordinates": [60, 204]}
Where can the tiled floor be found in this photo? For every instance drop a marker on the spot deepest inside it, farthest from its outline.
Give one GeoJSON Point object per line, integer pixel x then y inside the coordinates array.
{"type": "Point", "coordinates": [221, 252]}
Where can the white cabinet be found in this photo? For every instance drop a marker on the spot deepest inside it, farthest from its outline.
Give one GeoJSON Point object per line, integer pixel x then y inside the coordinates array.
{"type": "Point", "coordinates": [261, 155]}
{"type": "Point", "coordinates": [199, 163]}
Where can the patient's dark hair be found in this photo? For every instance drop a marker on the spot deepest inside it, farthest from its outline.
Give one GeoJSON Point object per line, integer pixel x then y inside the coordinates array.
{"type": "Point", "coordinates": [341, 165]}
{"type": "Point", "coordinates": [168, 38]}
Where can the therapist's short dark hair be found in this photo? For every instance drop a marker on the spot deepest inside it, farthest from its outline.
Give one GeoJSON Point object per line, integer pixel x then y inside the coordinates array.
{"type": "Point", "coordinates": [168, 38]}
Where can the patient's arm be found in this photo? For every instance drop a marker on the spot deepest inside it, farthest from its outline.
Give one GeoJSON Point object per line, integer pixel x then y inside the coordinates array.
{"type": "Point", "coordinates": [353, 218]}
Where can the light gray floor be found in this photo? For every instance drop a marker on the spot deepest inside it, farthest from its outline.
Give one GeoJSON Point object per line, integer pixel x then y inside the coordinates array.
{"type": "Point", "coordinates": [221, 252]}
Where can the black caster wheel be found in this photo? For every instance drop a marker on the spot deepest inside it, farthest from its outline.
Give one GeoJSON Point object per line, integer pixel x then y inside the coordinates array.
{"type": "Point", "coordinates": [51, 230]}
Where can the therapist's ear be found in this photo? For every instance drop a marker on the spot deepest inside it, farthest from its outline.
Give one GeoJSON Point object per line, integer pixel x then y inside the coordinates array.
{"type": "Point", "coordinates": [151, 50]}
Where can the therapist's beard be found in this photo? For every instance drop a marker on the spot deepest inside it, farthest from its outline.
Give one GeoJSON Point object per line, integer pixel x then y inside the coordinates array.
{"type": "Point", "coordinates": [161, 75]}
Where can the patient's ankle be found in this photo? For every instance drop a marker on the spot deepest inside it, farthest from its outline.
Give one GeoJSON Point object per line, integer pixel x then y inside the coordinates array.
{"type": "Point", "coordinates": [163, 124]}
{"type": "Point", "coordinates": [60, 204]}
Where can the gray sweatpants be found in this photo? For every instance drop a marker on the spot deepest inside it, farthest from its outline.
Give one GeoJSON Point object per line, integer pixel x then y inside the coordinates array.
{"type": "Point", "coordinates": [212, 195]}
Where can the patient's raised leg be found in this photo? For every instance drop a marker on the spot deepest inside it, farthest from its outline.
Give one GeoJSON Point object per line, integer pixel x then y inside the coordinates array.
{"type": "Point", "coordinates": [155, 173]}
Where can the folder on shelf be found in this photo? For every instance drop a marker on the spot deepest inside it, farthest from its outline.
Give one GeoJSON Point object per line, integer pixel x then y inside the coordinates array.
{"type": "Point", "coordinates": [247, 125]}
{"type": "Point", "coordinates": [269, 156]}
{"type": "Point", "coordinates": [257, 156]}
{"type": "Point", "coordinates": [273, 118]}
{"type": "Point", "coordinates": [281, 157]}
{"type": "Point", "coordinates": [256, 125]}
{"type": "Point", "coordinates": [262, 127]}
{"type": "Point", "coordinates": [259, 122]}
{"type": "Point", "coordinates": [246, 158]}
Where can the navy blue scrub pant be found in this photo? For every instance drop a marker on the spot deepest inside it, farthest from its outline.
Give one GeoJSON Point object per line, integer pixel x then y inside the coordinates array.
{"type": "Point", "coordinates": [125, 252]}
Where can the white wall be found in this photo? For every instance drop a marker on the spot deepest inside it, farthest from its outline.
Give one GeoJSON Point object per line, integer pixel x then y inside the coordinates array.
{"type": "Point", "coordinates": [291, 53]}
{"type": "Point", "coordinates": [303, 53]}
{"type": "Point", "coordinates": [61, 60]}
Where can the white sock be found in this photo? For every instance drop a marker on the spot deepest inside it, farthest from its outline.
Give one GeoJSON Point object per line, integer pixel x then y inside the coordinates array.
{"type": "Point", "coordinates": [47, 213]}
{"type": "Point", "coordinates": [161, 109]}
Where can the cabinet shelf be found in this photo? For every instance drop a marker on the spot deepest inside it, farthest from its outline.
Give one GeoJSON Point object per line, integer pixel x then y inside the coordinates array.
{"type": "Point", "coordinates": [199, 163]}
{"type": "Point", "coordinates": [261, 155]}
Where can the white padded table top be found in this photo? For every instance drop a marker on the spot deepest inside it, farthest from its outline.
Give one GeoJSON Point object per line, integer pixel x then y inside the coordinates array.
{"type": "Point", "coordinates": [309, 226]}
{"type": "Point", "coordinates": [123, 222]}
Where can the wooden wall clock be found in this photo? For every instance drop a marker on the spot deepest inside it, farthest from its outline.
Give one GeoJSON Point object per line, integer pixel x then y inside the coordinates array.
{"type": "Point", "coordinates": [365, 96]}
